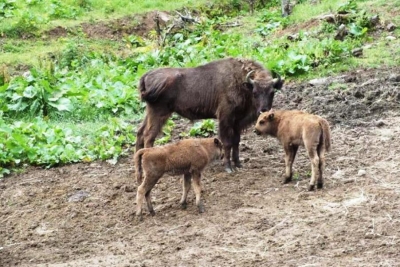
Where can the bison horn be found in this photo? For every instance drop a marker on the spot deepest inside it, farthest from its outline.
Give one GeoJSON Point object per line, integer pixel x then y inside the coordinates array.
{"type": "Point", "coordinates": [248, 79]}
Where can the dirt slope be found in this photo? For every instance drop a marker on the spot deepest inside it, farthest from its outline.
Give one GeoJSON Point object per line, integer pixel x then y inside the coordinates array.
{"type": "Point", "coordinates": [82, 214]}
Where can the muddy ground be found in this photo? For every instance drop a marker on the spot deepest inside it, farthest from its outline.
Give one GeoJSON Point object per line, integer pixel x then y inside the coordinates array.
{"type": "Point", "coordinates": [82, 214]}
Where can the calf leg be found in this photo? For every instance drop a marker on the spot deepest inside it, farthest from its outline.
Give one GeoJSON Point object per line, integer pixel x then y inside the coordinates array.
{"type": "Point", "coordinates": [144, 192]}
{"type": "Point", "coordinates": [313, 155]}
{"type": "Point", "coordinates": [290, 154]}
{"type": "Point", "coordinates": [141, 191]}
{"type": "Point", "coordinates": [321, 167]}
{"type": "Point", "coordinates": [186, 187]}
{"type": "Point", "coordinates": [197, 191]}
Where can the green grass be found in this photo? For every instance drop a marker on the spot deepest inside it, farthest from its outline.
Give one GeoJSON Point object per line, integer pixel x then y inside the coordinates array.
{"type": "Point", "coordinates": [306, 11]}
{"type": "Point", "coordinates": [89, 10]}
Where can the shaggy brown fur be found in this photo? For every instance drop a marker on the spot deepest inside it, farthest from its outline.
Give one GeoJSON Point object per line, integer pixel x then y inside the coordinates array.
{"type": "Point", "coordinates": [188, 157]}
{"type": "Point", "coordinates": [295, 128]}
{"type": "Point", "coordinates": [231, 90]}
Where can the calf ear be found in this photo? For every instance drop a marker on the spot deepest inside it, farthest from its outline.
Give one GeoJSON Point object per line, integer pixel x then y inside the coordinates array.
{"type": "Point", "coordinates": [217, 142]}
{"type": "Point", "coordinates": [271, 117]}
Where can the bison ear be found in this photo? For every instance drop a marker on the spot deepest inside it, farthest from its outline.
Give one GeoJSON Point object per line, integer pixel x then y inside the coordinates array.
{"type": "Point", "coordinates": [278, 82]}
{"type": "Point", "coordinates": [271, 117]}
{"type": "Point", "coordinates": [248, 86]}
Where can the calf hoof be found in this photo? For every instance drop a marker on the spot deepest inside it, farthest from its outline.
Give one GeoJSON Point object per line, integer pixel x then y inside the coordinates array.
{"type": "Point", "coordinates": [311, 187]}
{"type": "Point", "coordinates": [139, 217]}
{"type": "Point", "coordinates": [228, 170]}
{"type": "Point", "coordinates": [201, 208]}
{"type": "Point", "coordinates": [320, 185]}
{"type": "Point", "coordinates": [152, 212]}
{"type": "Point", "coordinates": [184, 205]}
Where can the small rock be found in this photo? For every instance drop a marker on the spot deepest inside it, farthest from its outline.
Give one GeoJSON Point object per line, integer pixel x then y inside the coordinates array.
{"type": "Point", "coordinates": [390, 27]}
{"type": "Point", "coordinates": [129, 188]}
{"type": "Point", "coordinates": [339, 174]}
{"type": "Point", "coordinates": [319, 81]}
{"type": "Point", "coordinates": [357, 52]}
{"type": "Point", "coordinates": [78, 196]}
{"type": "Point", "coordinates": [380, 123]}
{"type": "Point", "coordinates": [390, 38]}
{"type": "Point", "coordinates": [374, 20]}
{"type": "Point", "coordinates": [361, 173]}
{"type": "Point", "coordinates": [394, 77]}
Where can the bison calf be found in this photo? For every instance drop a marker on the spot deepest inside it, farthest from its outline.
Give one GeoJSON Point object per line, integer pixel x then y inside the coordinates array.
{"type": "Point", "coordinates": [188, 157]}
{"type": "Point", "coordinates": [295, 128]}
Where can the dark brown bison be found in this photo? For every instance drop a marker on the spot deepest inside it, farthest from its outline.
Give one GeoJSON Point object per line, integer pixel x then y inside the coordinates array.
{"type": "Point", "coordinates": [232, 90]}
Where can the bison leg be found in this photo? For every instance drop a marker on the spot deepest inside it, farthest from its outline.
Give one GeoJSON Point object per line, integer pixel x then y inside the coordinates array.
{"type": "Point", "coordinates": [139, 135]}
{"type": "Point", "coordinates": [154, 124]}
{"type": "Point", "coordinates": [197, 191]}
{"type": "Point", "coordinates": [290, 154]}
{"type": "Point", "coordinates": [313, 155]}
{"type": "Point", "coordinates": [186, 187]}
{"type": "Point", "coordinates": [226, 134]}
{"type": "Point", "coordinates": [235, 149]}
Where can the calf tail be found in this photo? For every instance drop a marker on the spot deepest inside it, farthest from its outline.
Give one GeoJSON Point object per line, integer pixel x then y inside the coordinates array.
{"type": "Point", "coordinates": [138, 165]}
{"type": "Point", "coordinates": [326, 135]}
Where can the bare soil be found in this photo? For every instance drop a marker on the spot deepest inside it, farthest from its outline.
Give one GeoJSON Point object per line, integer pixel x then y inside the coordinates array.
{"type": "Point", "coordinates": [82, 214]}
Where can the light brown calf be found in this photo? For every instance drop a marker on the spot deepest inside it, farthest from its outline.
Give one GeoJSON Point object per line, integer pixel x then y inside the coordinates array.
{"type": "Point", "coordinates": [188, 157]}
{"type": "Point", "coordinates": [295, 128]}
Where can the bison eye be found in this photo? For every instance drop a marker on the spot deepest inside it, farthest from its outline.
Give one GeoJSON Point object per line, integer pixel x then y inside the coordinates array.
{"type": "Point", "coordinates": [261, 122]}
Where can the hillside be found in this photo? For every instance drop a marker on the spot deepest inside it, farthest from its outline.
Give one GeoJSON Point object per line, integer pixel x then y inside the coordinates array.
{"type": "Point", "coordinates": [69, 110]}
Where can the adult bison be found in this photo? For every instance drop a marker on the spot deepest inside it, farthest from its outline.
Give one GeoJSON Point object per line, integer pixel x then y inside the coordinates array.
{"type": "Point", "coordinates": [232, 90]}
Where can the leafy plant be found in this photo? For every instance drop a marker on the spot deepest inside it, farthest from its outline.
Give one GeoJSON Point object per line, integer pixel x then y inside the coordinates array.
{"type": "Point", "coordinates": [7, 8]}
{"type": "Point", "coordinates": [60, 10]}
{"type": "Point", "coordinates": [41, 143]}
{"type": "Point", "coordinates": [167, 131]}
{"type": "Point", "coordinates": [35, 93]}
{"type": "Point", "coordinates": [203, 128]}
{"type": "Point", "coordinates": [28, 23]}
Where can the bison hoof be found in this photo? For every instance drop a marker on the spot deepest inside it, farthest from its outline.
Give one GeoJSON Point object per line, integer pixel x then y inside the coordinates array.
{"type": "Point", "coordinates": [287, 180]}
{"type": "Point", "coordinates": [152, 212]}
{"type": "Point", "coordinates": [320, 185]}
{"type": "Point", "coordinates": [184, 205]}
{"type": "Point", "coordinates": [311, 187]}
{"type": "Point", "coordinates": [238, 165]}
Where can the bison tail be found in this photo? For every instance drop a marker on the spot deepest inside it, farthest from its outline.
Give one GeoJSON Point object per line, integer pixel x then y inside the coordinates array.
{"type": "Point", "coordinates": [326, 135]}
{"type": "Point", "coordinates": [142, 88]}
{"type": "Point", "coordinates": [138, 165]}
{"type": "Point", "coordinates": [151, 90]}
